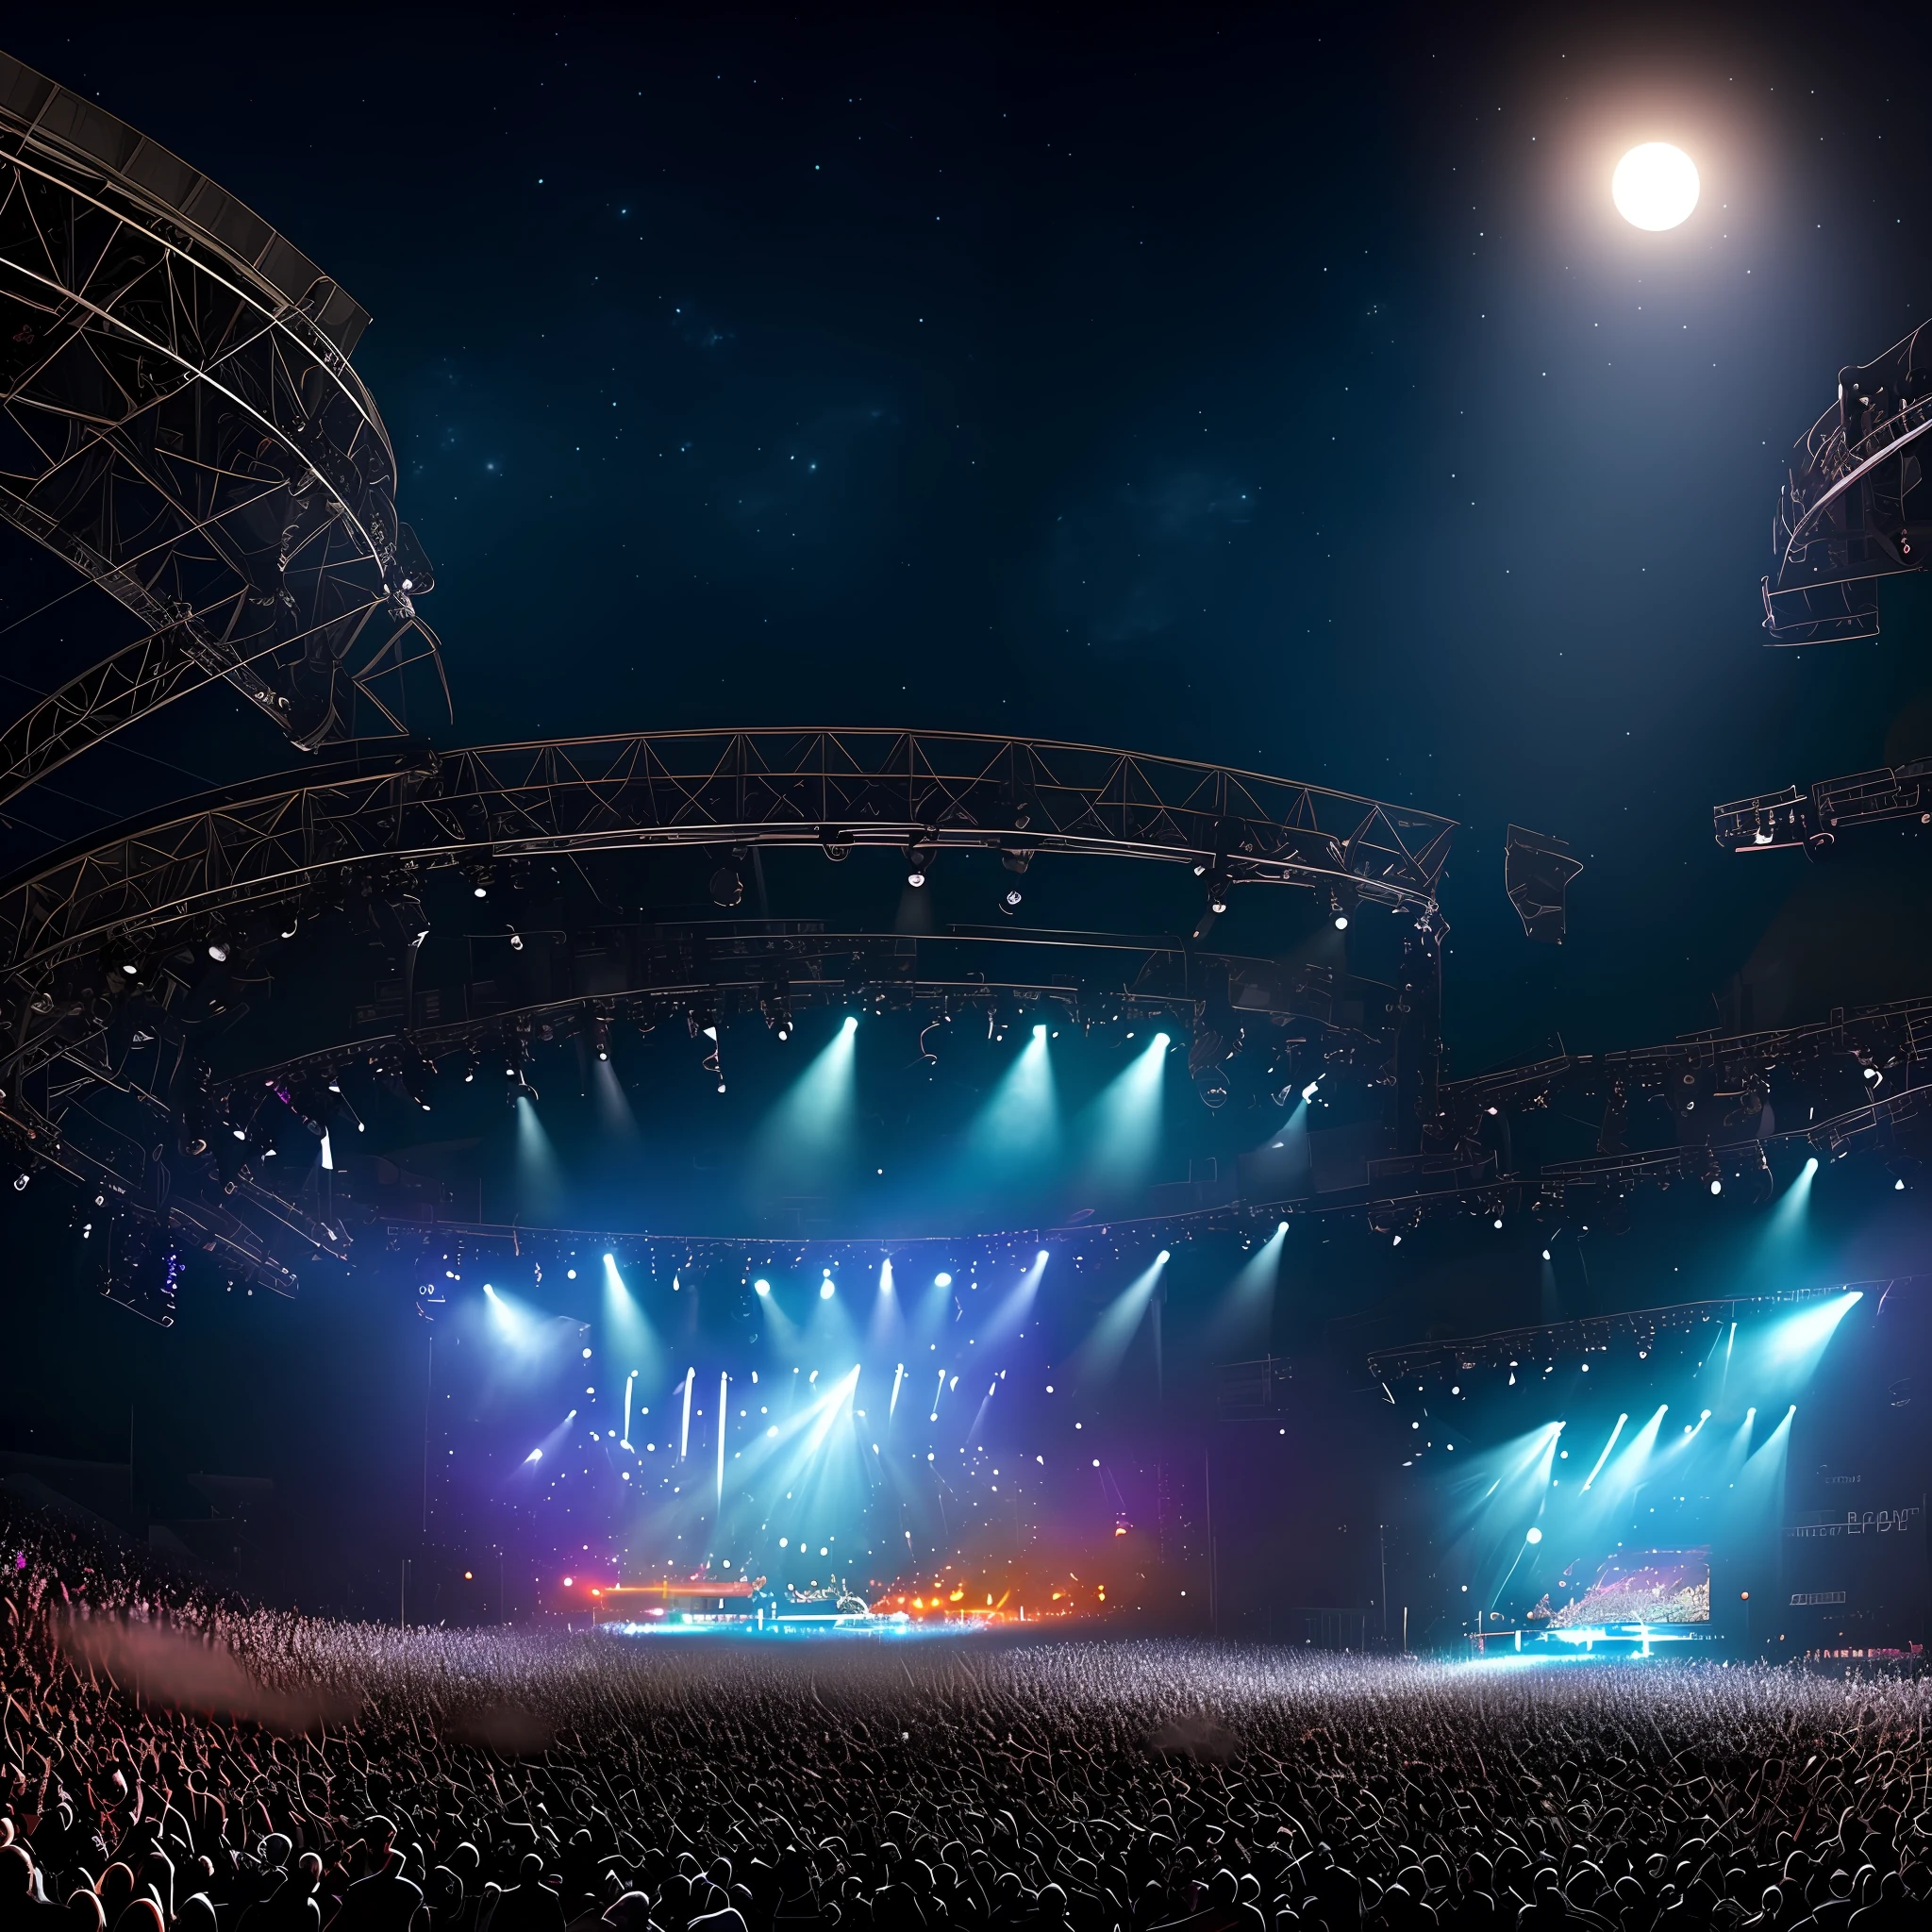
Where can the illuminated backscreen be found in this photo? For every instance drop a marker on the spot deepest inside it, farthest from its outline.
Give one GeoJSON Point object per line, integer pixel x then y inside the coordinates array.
{"type": "Point", "coordinates": [1634, 1586]}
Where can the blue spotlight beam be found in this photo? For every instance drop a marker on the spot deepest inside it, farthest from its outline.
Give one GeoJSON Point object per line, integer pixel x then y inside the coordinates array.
{"type": "Point", "coordinates": [1019, 1125]}
{"type": "Point", "coordinates": [1010, 1316]}
{"type": "Point", "coordinates": [538, 1183]}
{"type": "Point", "coordinates": [807, 1139]}
{"type": "Point", "coordinates": [1124, 1119]}
{"type": "Point", "coordinates": [1249, 1300]}
{"type": "Point", "coordinates": [1101, 1353]}
{"type": "Point", "coordinates": [629, 1335]}
{"type": "Point", "coordinates": [1597, 1468]}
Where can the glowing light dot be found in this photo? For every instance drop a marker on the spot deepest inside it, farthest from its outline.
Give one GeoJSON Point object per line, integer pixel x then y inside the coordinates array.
{"type": "Point", "coordinates": [1656, 187]}
{"type": "Point", "coordinates": [1535, 1535]}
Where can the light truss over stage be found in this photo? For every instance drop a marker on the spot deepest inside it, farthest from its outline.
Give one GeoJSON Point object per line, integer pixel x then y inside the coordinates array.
{"type": "Point", "coordinates": [180, 425]}
{"type": "Point", "coordinates": [93, 940]}
{"type": "Point", "coordinates": [375, 813]}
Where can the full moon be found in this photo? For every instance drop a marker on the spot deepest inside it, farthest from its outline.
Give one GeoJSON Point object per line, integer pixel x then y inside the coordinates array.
{"type": "Point", "coordinates": [1656, 186]}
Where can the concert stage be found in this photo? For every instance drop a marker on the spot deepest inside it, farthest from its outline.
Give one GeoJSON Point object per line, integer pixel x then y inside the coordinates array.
{"type": "Point", "coordinates": [1606, 1643]}
{"type": "Point", "coordinates": [765, 1627]}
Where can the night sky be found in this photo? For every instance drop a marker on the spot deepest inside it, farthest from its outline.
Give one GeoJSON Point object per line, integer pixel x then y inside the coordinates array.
{"type": "Point", "coordinates": [1235, 384]}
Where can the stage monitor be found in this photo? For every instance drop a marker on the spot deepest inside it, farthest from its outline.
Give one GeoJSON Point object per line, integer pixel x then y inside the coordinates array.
{"type": "Point", "coordinates": [1634, 1586]}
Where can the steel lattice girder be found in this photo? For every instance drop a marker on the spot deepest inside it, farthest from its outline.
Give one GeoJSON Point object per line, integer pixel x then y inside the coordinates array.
{"type": "Point", "coordinates": [1896, 1033]}
{"type": "Point", "coordinates": [179, 422]}
{"type": "Point", "coordinates": [875, 788]}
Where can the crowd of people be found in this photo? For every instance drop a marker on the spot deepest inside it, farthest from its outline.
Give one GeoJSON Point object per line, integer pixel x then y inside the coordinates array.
{"type": "Point", "coordinates": [177, 1760]}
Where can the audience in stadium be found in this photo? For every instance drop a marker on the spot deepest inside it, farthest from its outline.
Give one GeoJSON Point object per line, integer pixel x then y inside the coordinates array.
{"type": "Point", "coordinates": [176, 1760]}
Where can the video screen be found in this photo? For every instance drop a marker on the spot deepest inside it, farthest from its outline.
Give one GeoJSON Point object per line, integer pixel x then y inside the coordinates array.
{"type": "Point", "coordinates": [1634, 1586]}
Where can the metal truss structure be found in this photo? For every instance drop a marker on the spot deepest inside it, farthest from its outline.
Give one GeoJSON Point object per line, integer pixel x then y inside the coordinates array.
{"type": "Point", "coordinates": [179, 422]}
{"type": "Point", "coordinates": [1854, 507]}
{"type": "Point", "coordinates": [100, 951]}
{"type": "Point", "coordinates": [1555, 1341]}
{"type": "Point", "coordinates": [919, 793]}
{"type": "Point", "coordinates": [1813, 818]}
{"type": "Point", "coordinates": [1864, 1074]}
{"type": "Point", "coordinates": [99, 947]}
{"type": "Point", "coordinates": [1460, 1171]}
{"type": "Point", "coordinates": [645, 979]}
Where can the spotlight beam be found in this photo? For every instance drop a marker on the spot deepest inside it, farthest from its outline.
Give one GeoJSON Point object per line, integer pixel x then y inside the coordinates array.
{"type": "Point", "coordinates": [1251, 1295]}
{"type": "Point", "coordinates": [1125, 1119]}
{"type": "Point", "coordinates": [1008, 1318]}
{"type": "Point", "coordinates": [1100, 1356]}
{"type": "Point", "coordinates": [1597, 1468]}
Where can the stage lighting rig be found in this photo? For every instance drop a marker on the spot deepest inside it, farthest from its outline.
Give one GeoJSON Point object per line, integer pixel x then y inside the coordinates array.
{"type": "Point", "coordinates": [1537, 871]}
{"type": "Point", "coordinates": [228, 480]}
{"type": "Point", "coordinates": [1856, 505]}
{"type": "Point", "coordinates": [278, 861]}
{"type": "Point", "coordinates": [1780, 820]}
{"type": "Point", "coordinates": [416, 1076]}
{"type": "Point", "coordinates": [1015, 858]}
{"type": "Point", "coordinates": [140, 1269]}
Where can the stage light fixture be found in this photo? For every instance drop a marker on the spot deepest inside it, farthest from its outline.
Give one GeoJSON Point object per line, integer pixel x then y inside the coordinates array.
{"type": "Point", "coordinates": [1339, 907]}
{"type": "Point", "coordinates": [727, 888]}
{"type": "Point", "coordinates": [1219, 887]}
{"type": "Point", "coordinates": [761, 1287]}
{"type": "Point", "coordinates": [942, 1279]}
{"type": "Point", "coordinates": [415, 1073]}
{"type": "Point", "coordinates": [1009, 900]}
{"type": "Point", "coordinates": [826, 1289]}
{"type": "Point", "coordinates": [1533, 1534]}
{"type": "Point", "coordinates": [516, 940]}
{"type": "Point", "coordinates": [836, 845]}
{"type": "Point", "coordinates": [915, 869]}
{"type": "Point", "coordinates": [218, 946]}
